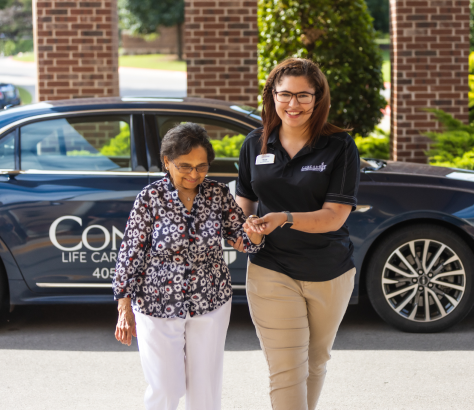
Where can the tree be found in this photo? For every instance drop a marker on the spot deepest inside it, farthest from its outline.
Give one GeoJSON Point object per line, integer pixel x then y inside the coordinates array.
{"type": "Point", "coordinates": [16, 19]}
{"type": "Point", "coordinates": [145, 16]}
{"type": "Point", "coordinates": [339, 36]}
{"type": "Point", "coordinates": [380, 12]}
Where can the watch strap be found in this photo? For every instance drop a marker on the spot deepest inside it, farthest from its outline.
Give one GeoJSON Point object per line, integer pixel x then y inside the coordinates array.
{"type": "Point", "coordinates": [289, 219]}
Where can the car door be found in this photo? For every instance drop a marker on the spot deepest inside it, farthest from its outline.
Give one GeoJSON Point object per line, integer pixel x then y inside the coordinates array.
{"type": "Point", "coordinates": [67, 203]}
{"type": "Point", "coordinates": [226, 136]}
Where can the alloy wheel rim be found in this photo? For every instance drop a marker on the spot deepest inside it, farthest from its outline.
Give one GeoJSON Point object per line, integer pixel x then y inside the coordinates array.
{"type": "Point", "coordinates": [423, 280]}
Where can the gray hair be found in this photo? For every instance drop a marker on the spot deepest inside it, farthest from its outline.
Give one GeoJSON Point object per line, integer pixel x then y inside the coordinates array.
{"type": "Point", "coordinates": [182, 138]}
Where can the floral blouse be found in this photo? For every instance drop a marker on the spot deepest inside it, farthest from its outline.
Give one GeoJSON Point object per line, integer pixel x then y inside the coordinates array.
{"type": "Point", "coordinates": [170, 261]}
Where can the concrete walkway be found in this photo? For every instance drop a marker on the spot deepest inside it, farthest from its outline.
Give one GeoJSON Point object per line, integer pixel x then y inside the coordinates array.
{"type": "Point", "coordinates": [66, 358]}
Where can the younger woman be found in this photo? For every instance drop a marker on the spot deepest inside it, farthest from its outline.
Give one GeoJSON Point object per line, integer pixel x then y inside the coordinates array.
{"type": "Point", "coordinates": [300, 175]}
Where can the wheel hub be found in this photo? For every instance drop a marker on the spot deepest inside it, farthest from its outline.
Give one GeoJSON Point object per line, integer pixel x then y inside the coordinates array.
{"type": "Point", "coordinates": [424, 280]}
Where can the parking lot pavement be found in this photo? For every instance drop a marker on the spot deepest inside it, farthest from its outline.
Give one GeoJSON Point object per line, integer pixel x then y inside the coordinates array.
{"type": "Point", "coordinates": [66, 357]}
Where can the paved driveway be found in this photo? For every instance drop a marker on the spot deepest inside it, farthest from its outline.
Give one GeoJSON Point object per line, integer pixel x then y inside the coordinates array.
{"type": "Point", "coordinates": [65, 357]}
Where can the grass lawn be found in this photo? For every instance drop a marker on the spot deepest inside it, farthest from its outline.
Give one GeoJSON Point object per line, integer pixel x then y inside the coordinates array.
{"type": "Point", "coordinates": [24, 95]}
{"type": "Point", "coordinates": [386, 65]}
{"type": "Point", "coordinates": [164, 62]}
{"type": "Point", "coordinates": [28, 57]}
{"type": "Point", "coordinates": [153, 61]}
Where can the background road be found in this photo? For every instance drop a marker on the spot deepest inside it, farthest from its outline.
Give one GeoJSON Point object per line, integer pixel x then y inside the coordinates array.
{"type": "Point", "coordinates": [66, 357]}
{"type": "Point", "coordinates": [137, 82]}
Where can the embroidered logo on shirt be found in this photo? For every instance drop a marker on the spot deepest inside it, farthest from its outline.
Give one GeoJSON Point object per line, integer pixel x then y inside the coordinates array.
{"type": "Point", "coordinates": [317, 168]}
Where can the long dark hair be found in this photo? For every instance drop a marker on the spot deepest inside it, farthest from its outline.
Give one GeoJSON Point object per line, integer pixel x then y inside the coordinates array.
{"type": "Point", "coordinates": [317, 124]}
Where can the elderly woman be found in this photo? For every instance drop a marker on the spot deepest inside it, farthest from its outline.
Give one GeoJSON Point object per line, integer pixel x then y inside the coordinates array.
{"type": "Point", "coordinates": [171, 279]}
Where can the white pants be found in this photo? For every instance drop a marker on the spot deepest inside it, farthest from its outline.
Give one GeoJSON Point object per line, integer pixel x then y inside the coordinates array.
{"type": "Point", "coordinates": [181, 356]}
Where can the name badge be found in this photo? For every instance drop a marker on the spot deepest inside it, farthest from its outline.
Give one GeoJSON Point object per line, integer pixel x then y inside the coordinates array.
{"type": "Point", "coordinates": [265, 159]}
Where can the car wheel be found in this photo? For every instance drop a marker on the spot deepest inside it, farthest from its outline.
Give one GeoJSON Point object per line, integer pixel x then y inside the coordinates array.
{"type": "Point", "coordinates": [420, 279]}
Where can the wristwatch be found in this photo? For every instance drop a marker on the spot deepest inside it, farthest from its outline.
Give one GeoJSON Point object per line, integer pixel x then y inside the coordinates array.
{"type": "Point", "coordinates": [289, 219]}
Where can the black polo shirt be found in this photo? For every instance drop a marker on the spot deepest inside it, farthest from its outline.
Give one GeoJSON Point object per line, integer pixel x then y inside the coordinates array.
{"type": "Point", "coordinates": [325, 172]}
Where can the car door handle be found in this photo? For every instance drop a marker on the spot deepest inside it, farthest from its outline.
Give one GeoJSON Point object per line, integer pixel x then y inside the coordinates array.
{"type": "Point", "coordinates": [12, 174]}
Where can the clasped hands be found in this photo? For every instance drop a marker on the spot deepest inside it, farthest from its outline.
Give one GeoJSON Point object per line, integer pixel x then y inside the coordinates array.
{"type": "Point", "coordinates": [256, 227]}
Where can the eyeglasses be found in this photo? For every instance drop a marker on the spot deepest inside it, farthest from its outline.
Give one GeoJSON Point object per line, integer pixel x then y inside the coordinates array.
{"type": "Point", "coordinates": [185, 169]}
{"type": "Point", "coordinates": [286, 96]}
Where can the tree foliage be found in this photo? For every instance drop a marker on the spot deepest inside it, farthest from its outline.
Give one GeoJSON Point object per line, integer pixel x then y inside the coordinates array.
{"type": "Point", "coordinates": [145, 16]}
{"type": "Point", "coordinates": [380, 12]}
{"type": "Point", "coordinates": [16, 20]}
{"type": "Point", "coordinates": [339, 36]}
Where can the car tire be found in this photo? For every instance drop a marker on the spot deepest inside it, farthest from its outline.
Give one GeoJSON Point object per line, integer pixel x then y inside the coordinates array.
{"type": "Point", "coordinates": [3, 293]}
{"type": "Point", "coordinates": [409, 280]}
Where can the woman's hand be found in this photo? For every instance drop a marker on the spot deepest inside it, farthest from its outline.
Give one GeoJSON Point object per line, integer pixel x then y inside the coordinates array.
{"type": "Point", "coordinates": [238, 245]}
{"type": "Point", "coordinates": [266, 224]}
{"type": "Point", "coordinates": [254, 237]}
{"type": "Point", "coordinates": [126, 327]}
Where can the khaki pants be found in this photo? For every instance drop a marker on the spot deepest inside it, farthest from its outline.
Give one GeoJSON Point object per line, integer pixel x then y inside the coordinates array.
{"type": "Point", "coordinates": [296, 323]}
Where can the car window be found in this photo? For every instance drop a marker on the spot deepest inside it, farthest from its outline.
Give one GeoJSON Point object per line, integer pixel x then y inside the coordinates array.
{"type": "Point", "coordinates": [226, 139]}
{"type": "Point", "coordinates": [7, 151]}
{"type": "Point", "coordinates": [96, 143]}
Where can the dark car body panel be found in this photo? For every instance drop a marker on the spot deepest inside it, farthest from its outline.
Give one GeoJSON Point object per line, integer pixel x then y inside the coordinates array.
{"type": "Point", "coordinates": [9, 95]}
{"type": "Point", "coordinates": [94, 206]}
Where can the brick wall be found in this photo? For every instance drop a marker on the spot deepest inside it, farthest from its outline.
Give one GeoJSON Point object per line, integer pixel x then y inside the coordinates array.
{"type": "Point", "coordinates": [430, 49]}
{"type": "Point", "coordinates": [220, 44]}
{"type": "Point", "coordinates": [76, 46]}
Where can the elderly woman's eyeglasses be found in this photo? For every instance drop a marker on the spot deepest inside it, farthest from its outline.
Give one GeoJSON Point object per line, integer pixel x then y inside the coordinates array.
{"type": "Point", "coordinates": [286, 96]}
{"type": "Point", "coordinates": [186, 169]}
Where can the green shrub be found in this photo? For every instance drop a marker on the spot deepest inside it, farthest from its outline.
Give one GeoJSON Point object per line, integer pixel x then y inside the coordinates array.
{"type": "Point", "coordinates": [228, 146]}
{"type": "Point", "coordinates": [376, 145]}
{"type": "Point", "coordinates": [453, 147]}
{"type": "Point", "coordinates": [118, 145]}
{"type": "Point", "coordinates": [10, 47]}
{"type": "Point", "coordinates": [340, 37]}
{"type": "Point", "coordinates": [471, 87]}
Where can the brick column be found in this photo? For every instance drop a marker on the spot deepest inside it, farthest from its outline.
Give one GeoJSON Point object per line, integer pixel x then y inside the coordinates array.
{"type": "Point", "coordinates": [76, 47]}
{"type": "Point", "coordinates": [430, 49]}
{"type": "Point", "coordinates": [220, 45]}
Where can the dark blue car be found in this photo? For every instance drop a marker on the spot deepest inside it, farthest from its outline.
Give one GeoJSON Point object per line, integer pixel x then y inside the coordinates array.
{"type": "Point", "coordinates": [9, 95]}
{"type": "Point", "coordinates": [70, 170]}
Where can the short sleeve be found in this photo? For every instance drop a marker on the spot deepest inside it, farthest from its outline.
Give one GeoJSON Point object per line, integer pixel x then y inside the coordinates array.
{"type": "Point", "coordinates": [244, 187]}
{"type": "Point", "coordinates": [345, 176]}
